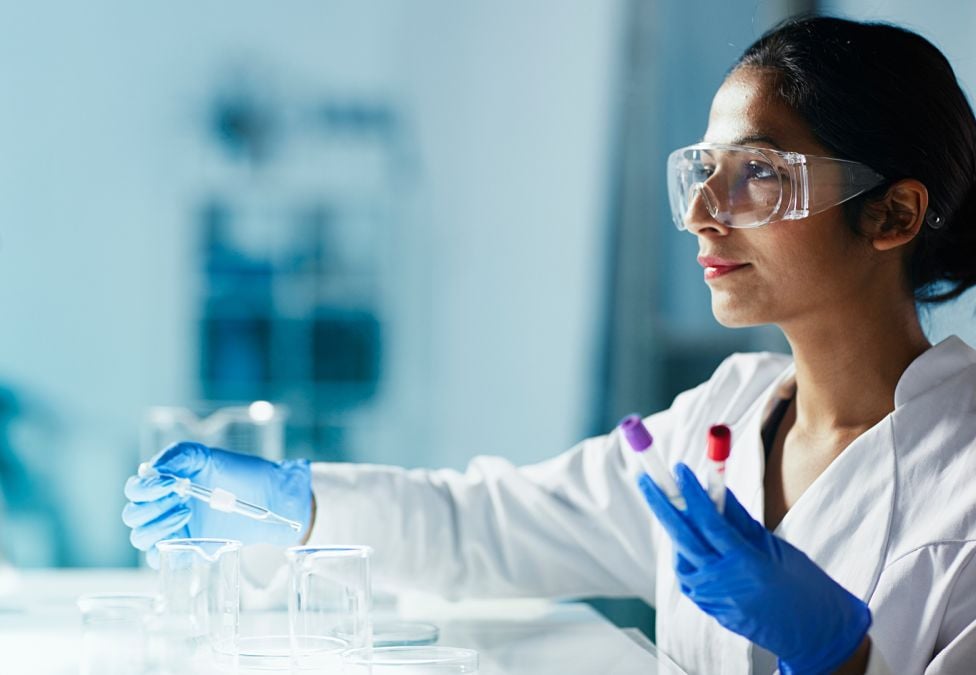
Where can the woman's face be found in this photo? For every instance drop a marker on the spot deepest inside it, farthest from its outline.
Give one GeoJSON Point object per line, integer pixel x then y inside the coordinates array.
{"type": "Point", "coordinates": [791, 269]}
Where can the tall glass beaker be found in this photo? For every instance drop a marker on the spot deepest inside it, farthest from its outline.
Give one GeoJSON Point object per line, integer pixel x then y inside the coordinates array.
{"type": "Point", "coordinates": [200, 600]}
{"type": "Point", "coordinates": [330, 596]}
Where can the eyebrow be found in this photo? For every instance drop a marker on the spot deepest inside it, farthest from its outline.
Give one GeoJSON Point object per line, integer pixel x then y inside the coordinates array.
{"type": "Point", "coordinates": [757, 138]}
{"type": "Point", "coordinates": [753, 138]}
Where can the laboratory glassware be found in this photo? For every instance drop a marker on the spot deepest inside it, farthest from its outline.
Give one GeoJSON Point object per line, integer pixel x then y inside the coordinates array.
{"type": "Point", "coordinates": [404, 634]}
{"type": "Point", "coordinates": [219, 499]}
{"type": "Point", "coordinates": [330, 598]}
{"type": "Point", "coordinates": [640, 440]}
{"type": "Point", "coordinates": [115, 639]}
{"type": "Point", "coordinates": [200, 596]}
{"type": "Point", "coordinates": [719, 446]}
{"type": "Point", "coordinates": [425, 660]}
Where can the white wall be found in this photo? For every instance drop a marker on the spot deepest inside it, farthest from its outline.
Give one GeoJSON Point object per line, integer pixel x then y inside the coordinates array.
{"type": "Point", "coordinates": [514, 103]}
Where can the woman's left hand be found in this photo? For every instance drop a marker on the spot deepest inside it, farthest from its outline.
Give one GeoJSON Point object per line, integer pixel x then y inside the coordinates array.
{"type": "Point", "coordinates": [755, 583]}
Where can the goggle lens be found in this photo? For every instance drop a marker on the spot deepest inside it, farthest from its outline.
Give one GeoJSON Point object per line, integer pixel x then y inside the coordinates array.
{"type": "Point", "coordinates": [736, 187]}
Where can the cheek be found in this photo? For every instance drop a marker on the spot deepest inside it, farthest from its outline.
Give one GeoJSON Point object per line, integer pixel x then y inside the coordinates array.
{"type": "Point", "coordinates": [795, 270]}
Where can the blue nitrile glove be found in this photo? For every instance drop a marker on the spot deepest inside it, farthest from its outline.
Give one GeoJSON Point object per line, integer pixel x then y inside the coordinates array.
{"type": "Point", "coordinates": [155, 512]}
{"type": "Point", "coordinates": [756, 584]}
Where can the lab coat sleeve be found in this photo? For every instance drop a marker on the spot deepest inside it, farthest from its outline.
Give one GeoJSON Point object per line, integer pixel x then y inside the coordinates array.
{"type": "Point", "coordinates": [497, 529]}
{"type": "Point", "coordinates": [572, 526]}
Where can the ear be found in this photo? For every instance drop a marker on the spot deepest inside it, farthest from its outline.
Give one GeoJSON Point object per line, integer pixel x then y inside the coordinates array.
{"type": "Point", "coordinates": [894, 220]}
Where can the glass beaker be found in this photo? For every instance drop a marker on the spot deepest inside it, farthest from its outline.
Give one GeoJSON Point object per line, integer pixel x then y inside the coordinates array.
{"type": "Point", "coordinates": [115, 640]}
{"type": "Point", "coordinates": [425, 660]}
{"type": "Point", "coordinates": [200, 596]}
{"type": "Point", "coordinates": [330, 598]}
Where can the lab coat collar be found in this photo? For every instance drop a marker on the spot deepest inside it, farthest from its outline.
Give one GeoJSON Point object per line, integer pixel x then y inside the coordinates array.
{"type": "Point", "coordinates": [858, 489]}
{"type": "Point", "coordinates": [932, 367]}
{"type": "Point", "coordinates": [843, 521]}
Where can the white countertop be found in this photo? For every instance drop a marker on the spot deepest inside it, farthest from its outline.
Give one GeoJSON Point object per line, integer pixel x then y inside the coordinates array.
{"type": "Point", "coordinates": [40, 628]}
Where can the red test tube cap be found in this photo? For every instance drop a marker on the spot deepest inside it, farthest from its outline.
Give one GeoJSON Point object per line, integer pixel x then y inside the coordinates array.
{"type": "Point", "coordinates": [719, 443]}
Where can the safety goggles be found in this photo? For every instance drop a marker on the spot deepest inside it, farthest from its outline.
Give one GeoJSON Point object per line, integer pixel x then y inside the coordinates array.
{"type": "Point", "coordinates": [743, 186]}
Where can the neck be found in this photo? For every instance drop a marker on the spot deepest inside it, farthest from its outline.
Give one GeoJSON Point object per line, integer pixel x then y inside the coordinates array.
{"type": "Point", "coordinates": [848, 365]}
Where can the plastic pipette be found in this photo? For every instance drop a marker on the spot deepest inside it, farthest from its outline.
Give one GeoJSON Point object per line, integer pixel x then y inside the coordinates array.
{"type": "Point", "coordinates": [219, 499]}
{"type": "Point", "coordinates": [640, 441]}
{"type": "Point", "coordinates": [719, 446]}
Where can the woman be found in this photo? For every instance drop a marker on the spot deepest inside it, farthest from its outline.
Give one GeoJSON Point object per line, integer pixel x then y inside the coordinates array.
{"type": "Point", "coordinates": [836, 185]}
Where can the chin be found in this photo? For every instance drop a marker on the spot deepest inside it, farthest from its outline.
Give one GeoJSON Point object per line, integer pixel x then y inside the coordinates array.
{"type": "Point", "coordinates": [733, 314]}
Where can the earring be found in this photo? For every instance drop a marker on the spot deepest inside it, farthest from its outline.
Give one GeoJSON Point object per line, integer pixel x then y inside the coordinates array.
{"type": "Point", "coordinates": [934, 220]}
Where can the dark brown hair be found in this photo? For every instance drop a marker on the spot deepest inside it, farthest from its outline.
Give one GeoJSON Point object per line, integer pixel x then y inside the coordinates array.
{"type": "Point", "coordinates": [888, 98]}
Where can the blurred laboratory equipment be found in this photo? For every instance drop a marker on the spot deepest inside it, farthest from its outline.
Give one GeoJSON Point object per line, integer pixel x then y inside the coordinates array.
{"type": "Point", "coordinates": [307, 295]}
{"type": "Point", "coordinates": [255, 429]}
{"type": "Point", "coordinates": [115, 633]}
{"type": "Point", "coordinates": [200, 595]}
{"type": "Point", "coordinates": [410, 661]}
{"type": "Point", "coordinates": [330, 597]}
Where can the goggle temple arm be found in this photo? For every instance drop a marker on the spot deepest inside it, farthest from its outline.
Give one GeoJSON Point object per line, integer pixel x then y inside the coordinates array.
{"type": "Point", "coordinates": [798, 204]}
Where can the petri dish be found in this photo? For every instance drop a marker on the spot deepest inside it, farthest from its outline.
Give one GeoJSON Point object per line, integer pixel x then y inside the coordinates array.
{"type": "Point", "coordinates": [278, 652]}
{"type": "Point", "coordinates": [404, 634]}
{"type": "Point", "coordinates": [410, 661]}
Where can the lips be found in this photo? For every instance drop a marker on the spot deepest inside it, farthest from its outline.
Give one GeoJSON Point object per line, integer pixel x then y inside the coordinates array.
{"type": "Point", "coordinates": [718, 267]}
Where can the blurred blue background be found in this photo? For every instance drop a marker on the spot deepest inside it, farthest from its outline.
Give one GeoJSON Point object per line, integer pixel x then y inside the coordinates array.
{"type": "Point", "coordinates": [429, 229]}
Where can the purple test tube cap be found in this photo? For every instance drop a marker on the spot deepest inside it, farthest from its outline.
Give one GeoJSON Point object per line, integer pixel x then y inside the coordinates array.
{"type": "Point", "coordinates": [636, 433]}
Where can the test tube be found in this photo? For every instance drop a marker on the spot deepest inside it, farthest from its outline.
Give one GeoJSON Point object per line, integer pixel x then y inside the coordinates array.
{"type": "Point", "coordinates": [719, 446]}
{"type": "Point", "coordinates": [640, 441]}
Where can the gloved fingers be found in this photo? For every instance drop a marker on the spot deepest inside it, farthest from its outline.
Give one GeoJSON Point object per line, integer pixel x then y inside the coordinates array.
{"type": "Point", "coordinates": [182, 459]}
{"type": "Point", "coordinates": [748, 527]}
{"type": "Point", "coordinates": [137, 514]}
{"type": "Point", "coordinates": [682, 568]}
{"type": "Point", "coordinates": [682, 565]}
{"type": "Point", "coordinates": [722, 581]}
{"type": "Point", "coordinates": [686, 539]}
{"type": "Point", "coordinates": [148, 489]}
{"type": "Point", "coordinates": [714, 529]}
{"type": "Point", "coordinates": [145, 536]}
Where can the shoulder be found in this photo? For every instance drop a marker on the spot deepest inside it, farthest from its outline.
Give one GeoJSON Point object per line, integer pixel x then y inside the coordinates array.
{"type": "Point", "coordinates": [933, 432]}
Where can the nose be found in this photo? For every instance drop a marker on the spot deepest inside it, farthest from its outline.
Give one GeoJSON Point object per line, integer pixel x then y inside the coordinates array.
{"type": "Point", "coordinates": [702, 209]}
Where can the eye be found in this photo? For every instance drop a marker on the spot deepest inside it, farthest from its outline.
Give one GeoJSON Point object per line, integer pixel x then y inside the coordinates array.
{"type": "Point", "coordinates": [701, 172]}
{"type": "Point", "coordinates": [759, 171]}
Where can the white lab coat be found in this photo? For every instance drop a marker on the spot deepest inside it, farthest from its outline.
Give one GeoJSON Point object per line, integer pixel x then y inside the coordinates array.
{"type": "Point", "coordinates": [893, 518]}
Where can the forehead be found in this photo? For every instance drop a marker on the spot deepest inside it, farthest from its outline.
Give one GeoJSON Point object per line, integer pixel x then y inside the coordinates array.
{"type": "Point", "coordinates": [746, 109]}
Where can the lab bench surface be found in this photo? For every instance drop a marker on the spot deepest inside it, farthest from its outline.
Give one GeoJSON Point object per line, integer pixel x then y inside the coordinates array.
{"type": "Point", "coordinates": [40, 629]}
